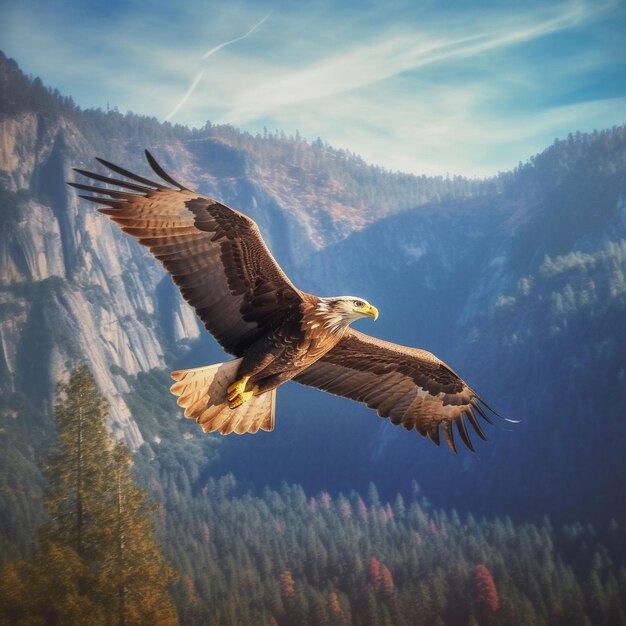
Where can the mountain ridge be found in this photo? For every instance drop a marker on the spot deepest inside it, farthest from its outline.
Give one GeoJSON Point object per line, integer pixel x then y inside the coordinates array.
{"type": "Point", "coordinates": [458, 267]}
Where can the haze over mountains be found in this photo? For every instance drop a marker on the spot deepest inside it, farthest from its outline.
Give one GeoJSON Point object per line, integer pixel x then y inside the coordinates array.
{"type": "Point", "coordinates": [518, 282]}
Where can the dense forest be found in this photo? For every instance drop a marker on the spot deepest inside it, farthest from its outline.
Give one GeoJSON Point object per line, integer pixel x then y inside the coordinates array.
{"type": "Point", "coordinates": [249, 555]}
{"type": "Point", "coordinates": [282, 557]}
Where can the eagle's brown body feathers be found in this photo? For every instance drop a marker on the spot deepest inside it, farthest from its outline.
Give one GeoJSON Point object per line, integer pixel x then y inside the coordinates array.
{"type": "Point", "coordinates": [223, 268]}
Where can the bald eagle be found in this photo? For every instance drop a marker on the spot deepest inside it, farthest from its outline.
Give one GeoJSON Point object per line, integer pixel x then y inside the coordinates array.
{"type": "Point", "coordinates": [277, 332]}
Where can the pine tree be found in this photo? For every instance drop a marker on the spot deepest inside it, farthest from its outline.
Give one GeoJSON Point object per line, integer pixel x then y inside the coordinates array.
{"type": "Point", "coordinates": [372, 495]}
{"type": "Point", "coordinates": [362, 508]}
{"type": "Point", "coordinates": [78, 474]}
{"type": "Point", "coordinates": [190, 601]}
{"type": "Point", "coordinates": [134, 572]}
{"type": "Point", "coordinates": [56, 585]}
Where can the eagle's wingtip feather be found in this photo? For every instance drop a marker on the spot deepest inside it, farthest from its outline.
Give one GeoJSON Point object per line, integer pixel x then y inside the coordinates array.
{"type": "Point", "coordinates": [449, 437]}
{"type": "Point", "coordinates": [460, 424]}
{"type": "Point", "coordinates": [127, 174]}
{"type": "Point", "coordinates": [474, 422]}
{"type": "Point", "coordinates": [159, 171]}
{"type": "Point", "coordinates": [506, 419]}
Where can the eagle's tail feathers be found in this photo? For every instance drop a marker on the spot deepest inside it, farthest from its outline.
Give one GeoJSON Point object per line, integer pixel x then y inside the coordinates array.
{"type": "Point", "coordinates": [202, 393]}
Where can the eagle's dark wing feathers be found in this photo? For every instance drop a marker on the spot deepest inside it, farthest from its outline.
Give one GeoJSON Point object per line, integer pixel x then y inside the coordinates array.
{"type": "Point", "coordinates": [215, 254]}
{"type": "Point", "coordinates": [409, 386]}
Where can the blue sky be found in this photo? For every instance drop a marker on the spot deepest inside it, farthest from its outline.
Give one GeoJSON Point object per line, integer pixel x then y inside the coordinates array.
{"type": "Point", "coordinates": [466, 88]}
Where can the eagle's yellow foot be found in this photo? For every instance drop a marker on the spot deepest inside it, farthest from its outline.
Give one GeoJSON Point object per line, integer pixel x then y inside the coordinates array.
{"type": "Point", "coordinates": [237, 393]}
{"type": "Point", "coordinates": [237, 388]}
{"type": "Point", "coordinates": [240, 399]}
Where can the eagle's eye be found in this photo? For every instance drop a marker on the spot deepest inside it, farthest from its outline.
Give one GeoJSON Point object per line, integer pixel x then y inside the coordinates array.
{"type": "Point", "coordinates": [358, 304]}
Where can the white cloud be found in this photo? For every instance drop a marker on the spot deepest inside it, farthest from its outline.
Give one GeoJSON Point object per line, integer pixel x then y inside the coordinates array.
{"type": "Point", "coordinates": [411, 89]}
{"type": "Point", "coordinates": [393, 53]}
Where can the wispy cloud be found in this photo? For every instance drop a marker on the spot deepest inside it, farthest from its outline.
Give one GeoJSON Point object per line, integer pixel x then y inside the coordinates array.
{"type": "Point", "coordinates": [393, 53]}
{"type": "Point", "coordinates": [198, 77]}
{"type": "Point", "coordinates": [212, 51]}
{"type": "Point", "coordinates": [471, 88]}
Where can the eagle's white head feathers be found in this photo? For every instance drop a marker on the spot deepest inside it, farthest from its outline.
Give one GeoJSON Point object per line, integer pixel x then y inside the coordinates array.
{"type": "Point", "coordinates": [337, 313]}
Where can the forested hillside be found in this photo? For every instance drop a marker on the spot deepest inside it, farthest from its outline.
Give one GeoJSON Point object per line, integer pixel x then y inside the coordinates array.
{"type": "Point", "coordinates": [289, 555]}
{"type": "Point", "coordinates": [524, 294]}
{"type": "Point", "coordinates": [282, 556]}
{"type": "Point", "coordinates": [354, 559]}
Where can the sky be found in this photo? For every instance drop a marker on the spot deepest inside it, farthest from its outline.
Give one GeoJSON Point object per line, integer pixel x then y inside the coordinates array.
{"type": "Point", "coordinates": [433, 87]}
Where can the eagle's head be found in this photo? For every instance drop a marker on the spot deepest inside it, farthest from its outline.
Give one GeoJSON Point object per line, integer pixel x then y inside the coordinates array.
{"type": "Point", "coordinates": [341, 311]}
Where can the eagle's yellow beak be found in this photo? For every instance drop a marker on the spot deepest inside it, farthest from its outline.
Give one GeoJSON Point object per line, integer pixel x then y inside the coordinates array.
{"type": "Point", "coordinates": [373, 311]}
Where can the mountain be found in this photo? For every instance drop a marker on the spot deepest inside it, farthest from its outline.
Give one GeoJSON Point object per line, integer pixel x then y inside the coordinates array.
{"type": "Point", "coordinates": [517, 281]}
{"type": "Point", "coordinates": [523, 292]}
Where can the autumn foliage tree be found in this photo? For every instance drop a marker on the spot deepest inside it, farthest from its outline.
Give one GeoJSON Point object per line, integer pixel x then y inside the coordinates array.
{"type": "Point", "coordinates": [373, 574]}
{"type": "Point", "coordinates": [333, 603]}
{"type": "Point", "coordinates": [487, 599]}
{"type": "Point", "coordinates": [379, 576]}
{"type": "Point", "coordinates": [287, 586]}
{"type": "Point", "coordinates": [387, 579]}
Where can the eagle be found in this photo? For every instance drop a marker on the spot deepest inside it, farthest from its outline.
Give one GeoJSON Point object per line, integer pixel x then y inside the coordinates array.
{"type": "Point", "coordinates": [276, 332]}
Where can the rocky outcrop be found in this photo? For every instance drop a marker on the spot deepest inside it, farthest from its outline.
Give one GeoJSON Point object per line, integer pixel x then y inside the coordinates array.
{"type": "Point", "coordinates": [77, 289]}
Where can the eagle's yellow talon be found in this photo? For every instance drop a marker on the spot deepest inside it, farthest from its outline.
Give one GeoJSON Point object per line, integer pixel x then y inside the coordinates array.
{"type": "Point", "coordinates": [239, 399]}
{"type": "Point", "coordinates": [237, 388]}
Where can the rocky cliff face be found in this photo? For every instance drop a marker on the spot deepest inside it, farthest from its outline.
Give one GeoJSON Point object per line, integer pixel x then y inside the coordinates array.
{"type": "Point", "coordinates": [75, 288]}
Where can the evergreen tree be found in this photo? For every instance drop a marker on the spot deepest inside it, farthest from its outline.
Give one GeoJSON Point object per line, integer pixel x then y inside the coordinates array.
{"type": "Point", "coordinates": [97, 560]}
{"type": "Point", "coordinates": [133, 571]}
{"type": "Point", "coordinates": [78, 473]}
{"type": "Point", "coordinates": [46, 589]}
{"type": "Point", "coordinates": [372, 495]}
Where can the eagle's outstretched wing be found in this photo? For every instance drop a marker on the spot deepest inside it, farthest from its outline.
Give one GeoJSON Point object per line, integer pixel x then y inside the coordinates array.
{"type": "Point", "coordinates": [409, 386]}
{"type": "Point", "coordinates": [215, 254]}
